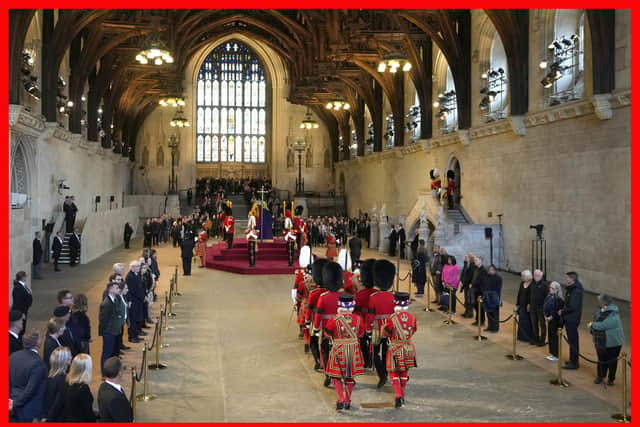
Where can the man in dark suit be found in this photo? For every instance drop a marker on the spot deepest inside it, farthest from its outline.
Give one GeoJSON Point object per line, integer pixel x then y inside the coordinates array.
{"type": "Point", "coordinates": [393, 241]}
{"type": "Point", "coordinates": [571, 315]}
{"type": "Point", "coordinates": [402, 237]}
{"type": "Point", "coordinates": [111, 319]}
{"type": "Point", "coordinates": [187, 253]}
{"type": "Point", "coordinates": [27, 380]}
{"type": "Point", "coordinates": [113, 405]}
{"type": "Point", "coordinates": [355, 246]}
{"type": "Point", "coordinates": [128, 231]}
{"type": "Point", "coordinates": [147, 233]}
{"type": "Point", "coordinates": [56, 248]}
{"type": "Point", "coordinates": [74, 247]}
{"type": "Point", "coordinates": [62, 314]}
{"type": "Point", "coordinates": [136, 296]}
{"type": "Point", "coordinates": [70, 210]}
{"type": "Point", "coordinates": [37, 256]}
{"type": "Point", "coordinates": [22, 298]}
{"type": "Point", "coordinates": [15, 328]}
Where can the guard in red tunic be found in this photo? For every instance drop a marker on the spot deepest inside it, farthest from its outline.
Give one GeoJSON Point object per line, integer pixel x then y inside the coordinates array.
{"type": "Point", "coordinates": [312, 302]}
{"type": "Point", "coordinates": [302, 286]}
{"type": "Point", "coordinates": [362, 308]}
{"type": "Point", "coordinates": [201, 247]}
{"type": "Point", "coordinates": [300, 227]}
{"type": "Point", "coordinates": [401, 356]}
{"type": "Point", "coordinates": [332, 252]}
{"type": "Point", "coordinates": [290, 239]}
{"type": "Point", "coordinates": [380, 308]}
{"type": "Point", "coordinates": [327, 307]}
{"type": "Point", "coordinates": [228, 224]}
{"type": "Point", "coordinates": [345, 360]}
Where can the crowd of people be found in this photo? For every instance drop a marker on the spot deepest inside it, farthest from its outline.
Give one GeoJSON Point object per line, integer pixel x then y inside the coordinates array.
{"type": "Point", "coordinates": [50, 372]}
{"type": "Point", "coordinates": [217, 189]}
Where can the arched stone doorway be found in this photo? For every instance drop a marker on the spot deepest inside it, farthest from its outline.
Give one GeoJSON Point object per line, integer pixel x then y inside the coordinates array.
{"type": "Point", "coordinates": [454, 165]}
{"type": "Point", "coordinates": [415, 228]}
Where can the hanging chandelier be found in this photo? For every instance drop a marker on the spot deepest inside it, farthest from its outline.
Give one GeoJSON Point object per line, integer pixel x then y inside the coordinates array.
{"type": "Point", "coordinates": [392, 61]}
{"type": "Point", "coordinates": [308, 122]}
{"type": "Point", "coordinates": [338, 104]}
{"type": "Point", "coordinates": [172, 100]}
{"type": "Point", "coordinates": [154, 50]}
{"type": "Point", "coordinates": [179, 120]}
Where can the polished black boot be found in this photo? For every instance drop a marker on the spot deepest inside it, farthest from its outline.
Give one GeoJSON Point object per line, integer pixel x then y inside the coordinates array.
{"type": "Point", "coordinates": [399, 402]}
{"type": "Point", "coordinates": [381, 382]}
{"type": "Point", "coordinates": [306, 348]}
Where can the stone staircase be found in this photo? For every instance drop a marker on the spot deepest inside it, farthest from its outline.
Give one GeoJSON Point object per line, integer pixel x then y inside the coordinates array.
{"type": "Point", "coordinates": [456, 216]}
{"type": "Point", "coordinates": [64, 254]}
{"type": "Point", "coordinates": [240, 213]}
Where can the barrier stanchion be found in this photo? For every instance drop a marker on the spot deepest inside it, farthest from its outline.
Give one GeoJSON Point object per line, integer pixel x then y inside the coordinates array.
{"type": "Point", "coordinates": [132, 396]}
{"type": "Point", "coordinates": [428, 286]}
{"type": "Point", "coordinates": [172, 291]}
{"type": "Point", "coordinates": [479, 337]}
{"type": "Point", "coordinates": [514, 355]}
{"type": "Point", "coordinates": [156, 340]}
{"type": "Point", "coordinates": [165, 313]}
{"type": "Point", "coordinates": [162, 328]}
{"type": "Point", "coordinates": [623, 417]}
{"type": "Point", "coordinates": [559, 381]}
{"type": "Point", "coordinates": [449, 320]}
{"type": "Point", "coordinates": [175, 276]}
{"type": "Point", "coordinates": [145, 397]}
{"type": "Point", "coordinates": [170, 312]}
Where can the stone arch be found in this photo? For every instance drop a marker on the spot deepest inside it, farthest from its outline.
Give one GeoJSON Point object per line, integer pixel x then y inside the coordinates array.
{"type": "Point", "coordinates": [23, 168]}
{"type": "Point", "coordinates": [454, 165]}
{"type": "Point", "coordinates": [491, 55]}
{"type": "Point", "coordinates": [443, 82]}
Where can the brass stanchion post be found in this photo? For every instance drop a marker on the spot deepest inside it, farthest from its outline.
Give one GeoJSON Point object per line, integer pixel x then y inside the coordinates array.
{"type": "Point", "coordinates": [428, 286]}
{"type": "Point", "coordinates": [559, 381]}
{"type": "Point", "coordinates": [157, 365]}
{"type": "Point", "coordinates": [514, 355]}
{"type": "Point", "coordinates": [132, 398]}
{"type": "Point", "coordinates": [168, 307]}
{"type": "Point", "coordinates": [449, 320]}
{"type": "Point", "coordinates": [145, 397]}
{"type": "Point", "coordinates": [172, 292]}
{"type": "Point", "coordinates": [623, 417]}
{"type": "Point", "coordinates": [176, 281]}
{"type": "Point", "coordinates": [479, 337]}
{"type": "Point", "coordinates": [162, 328]}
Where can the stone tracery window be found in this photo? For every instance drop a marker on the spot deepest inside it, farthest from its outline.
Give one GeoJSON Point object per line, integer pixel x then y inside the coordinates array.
{"type": "Point", "coordinates": [236, 128]}
{"type": "Point", "coordinates": [19, 180]}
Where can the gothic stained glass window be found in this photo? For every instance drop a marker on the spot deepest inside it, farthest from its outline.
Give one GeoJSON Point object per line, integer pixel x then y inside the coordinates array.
{"type": "Point", "coordinates": [233, 81]}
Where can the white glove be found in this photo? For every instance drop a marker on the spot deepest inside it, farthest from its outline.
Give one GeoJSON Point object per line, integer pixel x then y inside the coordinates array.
{"type": "Point", "coordinates": [294, 293]}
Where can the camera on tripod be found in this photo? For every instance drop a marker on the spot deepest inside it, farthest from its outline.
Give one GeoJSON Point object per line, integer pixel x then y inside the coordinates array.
{"type": "Point", "coordinates": [538, 228]}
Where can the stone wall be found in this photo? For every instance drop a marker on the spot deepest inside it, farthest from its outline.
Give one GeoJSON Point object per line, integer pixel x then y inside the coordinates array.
{"type": "Point", "coordinates": [149, 205]}
{"type": "Point", "coordinates": [52, 154]}
{"type": "Point", "coordinates": [104, 231]}
{"type": "Point", "coordinates": [569, 171]}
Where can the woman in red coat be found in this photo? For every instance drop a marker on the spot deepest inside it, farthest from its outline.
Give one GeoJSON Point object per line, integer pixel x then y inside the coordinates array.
{"type": "Point", "coordinates": [401, 355]}
{"type": "Point", "coordinates": [332, 252]}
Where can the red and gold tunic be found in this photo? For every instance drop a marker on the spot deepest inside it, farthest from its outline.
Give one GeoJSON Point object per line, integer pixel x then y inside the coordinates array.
{"type": "Point", "coordinates": [380, 307]}
{"type": "Point", "coordinates": [348, 284]}
{"type": "Point", "coordinates": [228, 224]}
{"type": "Point", "coordinates": [332, 252]}
{"type": "Point", "coordinates": [345, 359]}
{"type": "Point", "coordinates": [201, 244]}
{"type": "Point", "coordinates": [326, 308]}
{"type": "Point", "coordinates": [301, 296]}
{"type": "Point", "coordinates": [312, 302]}
{"type": "Point", "coordinates": [401, 354]}
{"type": "Point", "coordinates": [362, 305]}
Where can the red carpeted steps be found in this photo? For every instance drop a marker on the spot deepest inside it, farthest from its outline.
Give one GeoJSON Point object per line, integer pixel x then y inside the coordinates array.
{"type": "Point", "coordinates": [270, 259]}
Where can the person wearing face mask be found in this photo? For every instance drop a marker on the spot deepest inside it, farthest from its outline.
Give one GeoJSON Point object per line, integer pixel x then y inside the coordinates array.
{"type": "Point", "coordinates": [608, 338]}
{"type": "Point", "coordinates": [492, 297]}
{"type": "Point", "coordinates": [552, 304]}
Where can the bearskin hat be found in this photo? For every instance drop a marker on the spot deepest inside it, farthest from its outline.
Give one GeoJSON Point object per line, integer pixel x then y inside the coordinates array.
{"type": "Point", "coordinates": [316, 270]}
{"type": "Point", "coordinates": [366, 273]}
{"type": "Point", "coordinates": [383, 274]}
{"type": "Point", "coordinates": [299, 210]}
{"type": "Point", "coordinates": [451, 174]}
{"type": "Point", "coordinates": [332, 276]}
{"type": "Point", "coordinates": [227, 210]}
{"type": "Point", "coordinates": [434, 173]}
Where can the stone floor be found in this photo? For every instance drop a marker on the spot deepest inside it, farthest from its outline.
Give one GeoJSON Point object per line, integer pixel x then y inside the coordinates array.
{"type": "Point", "coordinates": [233, 356]}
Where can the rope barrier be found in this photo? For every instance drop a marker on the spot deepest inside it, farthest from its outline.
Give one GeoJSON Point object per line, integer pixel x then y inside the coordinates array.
{"type": "Point", "coordinates": [405, 277]}
{"type": "Point", "coordinates": [583, 357]}
{"type": "Point", "coordinates": [142, 365]}
{"type": "Point", "coordinates": [155, 337]}
{"type": "Point", "coordinates": [157, 364]}
{"type": "Point", "coordinates": [132, 395]}
{"type": "Point", "coordinates": [144, 396]}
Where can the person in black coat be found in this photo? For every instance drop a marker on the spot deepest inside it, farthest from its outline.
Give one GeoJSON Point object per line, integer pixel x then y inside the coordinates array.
{"type": "Point", "coordinates": [155, 232]}
{"type": "Point", "coordinates": [571, 315]}
{"type": "Point", "coordinates": [187, 253]}
{"type": "Point", "coordinates": [37, 256]}
{"type": "Point", "coordinates": [15, 327]}
{"type": "Point", "coordinates": [22, 297]}
{"type": "Point", "coordinates": [111, 319]}
{"type": "Point", "coordinates": [27, 375]}
{"type": "Point", "coordinates": [113, 405]}
{"type": "Point", "coordinates": [415, 243]}
{"type": "Point", "coordinates": [74, 247]}
{"type": "Point", "coordinates": [539, 291]}
{"type": "Point", "coordinates": [78, 400]}
{"type": "Point", "coordinates": [70, 209]}
{"type": "Point", "coordinates": [402, 238]}
{"type": "Point", "coordinates": [419, 268]}
{"type": "Point", "coordinates": [128, 231]}
{"type": "Point", "coordinates": [80, 324]}
{"type": "Point", "coordinates": [55, 329]}
{"type": "Point", "coordinates": [465, 278]}
{"type": "Point", "coordinates": [136, 296]}
{"type": "Point", "coordinates": [492, 298]}
{"type": "Point", "coordinates": [62, 313]}
{"type": "Point", "coordinates": [393, 241]}
{"type": "Point", "coordinates": [355, 246]}
{"type": "Point", "coordinates": [523, 300]}
{"type": "Point", "coordinates": [55, 384]}
{"type": "Point", "coordinates": [553, 303]}
{"type": "Point", "coordinates": [478, 277]}
{"type": "Point", "coordinates": [147, 232]}
{"type": "Point", "coordinates": [56, 248]}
